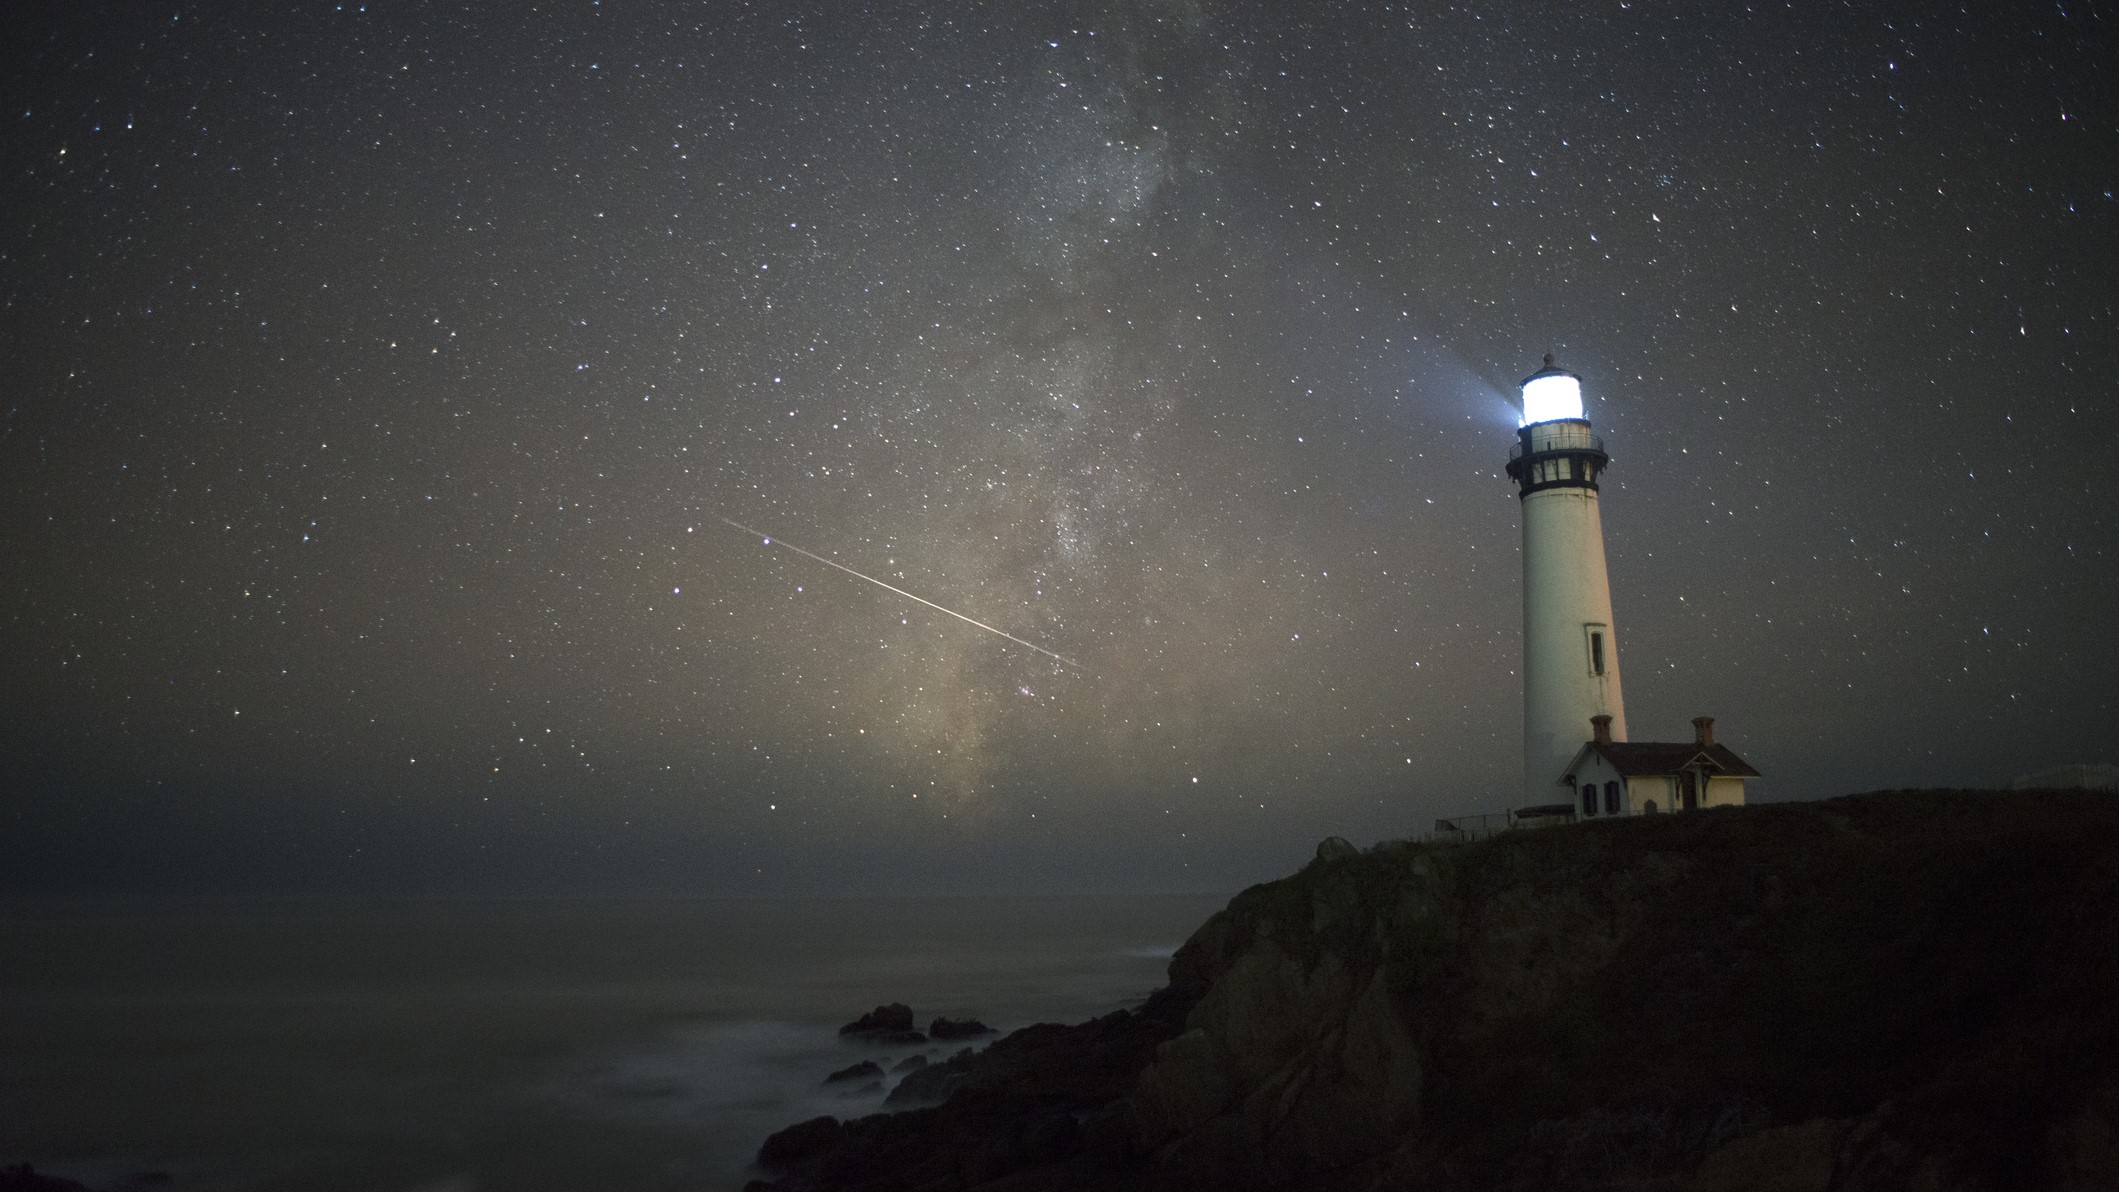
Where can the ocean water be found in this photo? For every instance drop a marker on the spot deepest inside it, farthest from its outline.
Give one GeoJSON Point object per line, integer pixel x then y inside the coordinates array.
{"type": "Point", "coordinates": [504, 1046]}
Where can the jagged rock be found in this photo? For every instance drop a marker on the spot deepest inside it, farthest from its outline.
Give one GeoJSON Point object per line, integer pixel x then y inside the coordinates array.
{"type": "Point", "coordinates": [911, 1063]}
{"type": "Point", "coordinates": [949, 1028]}
{"type": "Point", "coordinates": [930, 1084]}
{"type": "Point", "coordinates": [895, 1018]}
{"type": "Point", "coordinates": [1331, 848]}
{"type": "Point", "coordinates": [865, 1070]}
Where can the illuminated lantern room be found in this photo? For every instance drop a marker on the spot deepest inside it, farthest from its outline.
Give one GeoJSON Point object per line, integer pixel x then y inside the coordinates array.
{"type": "Point", "coordinates": [1551, 394]}
{"type": "Point", "coordinates": [1554, 446]}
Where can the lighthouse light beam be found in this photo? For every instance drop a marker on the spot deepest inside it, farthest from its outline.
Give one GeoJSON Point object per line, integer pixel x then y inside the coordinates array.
{"type": "Point", "coordinates": [768, 540]}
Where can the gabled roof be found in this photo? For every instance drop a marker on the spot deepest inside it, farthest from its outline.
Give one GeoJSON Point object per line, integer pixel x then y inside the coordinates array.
{"type": "Point", "coordinates": [1638, 759]}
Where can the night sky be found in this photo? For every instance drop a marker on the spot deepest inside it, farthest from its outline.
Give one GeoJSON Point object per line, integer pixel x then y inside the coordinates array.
{"type": "Point", "coordinates": [379, 378]}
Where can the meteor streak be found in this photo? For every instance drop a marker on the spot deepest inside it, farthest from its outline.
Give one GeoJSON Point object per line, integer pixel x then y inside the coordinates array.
{"type": "Point", "coordinates": [768, 540]}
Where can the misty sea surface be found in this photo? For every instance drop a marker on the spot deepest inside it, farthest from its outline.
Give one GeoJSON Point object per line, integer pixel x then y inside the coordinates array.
{"type": "Point", "coordinates": [505, 1046]}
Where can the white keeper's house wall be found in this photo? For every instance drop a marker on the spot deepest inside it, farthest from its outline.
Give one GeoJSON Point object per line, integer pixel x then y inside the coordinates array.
{"type": "Point", "coordinates": [1607, 777]}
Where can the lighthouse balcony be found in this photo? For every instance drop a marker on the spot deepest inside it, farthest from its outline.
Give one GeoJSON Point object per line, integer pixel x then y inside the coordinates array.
{"type": "Point", "coordinates": [1551, 437]}
{"type": "Point", "coordinates": [1541, 461]}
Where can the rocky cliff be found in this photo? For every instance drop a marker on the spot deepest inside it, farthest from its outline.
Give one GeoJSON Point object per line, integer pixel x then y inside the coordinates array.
{"type": "Point", "coordinates": [1901, 990]}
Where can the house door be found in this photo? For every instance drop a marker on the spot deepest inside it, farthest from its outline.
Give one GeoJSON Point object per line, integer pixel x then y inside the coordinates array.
{"type": "Point", "coordinates": [1690, 786]}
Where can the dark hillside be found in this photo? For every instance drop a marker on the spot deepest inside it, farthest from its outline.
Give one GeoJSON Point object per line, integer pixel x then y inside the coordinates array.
{"type": "Point", "coordinates": [1906, 989]}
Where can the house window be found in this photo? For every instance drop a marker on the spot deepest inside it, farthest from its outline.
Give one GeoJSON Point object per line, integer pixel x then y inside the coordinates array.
{"type": "Point", "coordinates": [1691, 790]}
{"type": "Point", "coordinates": [1611, 798]}
{"type": "Point", "coordinates": [1589, 798]}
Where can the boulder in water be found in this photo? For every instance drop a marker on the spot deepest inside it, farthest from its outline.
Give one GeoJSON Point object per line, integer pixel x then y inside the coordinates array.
{"type": "Point", "coordinates": [891, 1024]}
{"type": "Point", "coordinates": [865, 1070]}
{"type": "Point", "coordinates": [895, 1017]}
{"type": "Point", "coordinates": [951, 1028]}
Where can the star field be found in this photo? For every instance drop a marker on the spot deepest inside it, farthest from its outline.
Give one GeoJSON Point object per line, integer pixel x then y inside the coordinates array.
{"type": "Point", "coordinates": [381, 376]}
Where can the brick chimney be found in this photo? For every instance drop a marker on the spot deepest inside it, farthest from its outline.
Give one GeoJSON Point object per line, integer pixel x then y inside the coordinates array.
{"type": "Point", "coordinates": [1600, 729]}
{"type": "Point", "coordinates": [1703, 731]}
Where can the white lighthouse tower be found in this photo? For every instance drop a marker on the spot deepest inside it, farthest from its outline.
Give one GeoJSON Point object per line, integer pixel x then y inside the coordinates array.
{"type": "Point", "coordinates": [1570, 656]}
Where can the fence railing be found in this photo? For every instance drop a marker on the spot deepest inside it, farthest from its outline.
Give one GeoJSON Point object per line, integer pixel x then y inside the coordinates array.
{"type": "Point", "coordinates": [1463, 829]}
{"type": "Point", "coordinates": [1558, 443]}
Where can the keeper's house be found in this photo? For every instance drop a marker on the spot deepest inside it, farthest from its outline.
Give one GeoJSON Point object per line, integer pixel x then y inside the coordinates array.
{"type": "Point", "coordinates": [1610, 777]}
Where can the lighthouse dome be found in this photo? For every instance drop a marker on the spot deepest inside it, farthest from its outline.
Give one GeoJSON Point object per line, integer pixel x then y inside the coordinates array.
{"type": "Point", "coordinates": [1551, 394]}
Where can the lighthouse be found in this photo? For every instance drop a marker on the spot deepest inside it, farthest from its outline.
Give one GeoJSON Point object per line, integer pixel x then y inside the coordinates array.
{"type": "Point", "coordinates": [1570, 653]}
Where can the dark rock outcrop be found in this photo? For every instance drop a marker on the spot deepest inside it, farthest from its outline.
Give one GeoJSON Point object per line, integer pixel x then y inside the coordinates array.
{"type": "Point", "coordinates": [1041, 1103]}
{"type": "Point", "coordinates": [897, 1016]}
{"type": "Point", "coordinates": [801, 1142]}
{"type": "Point", "coordinates": [1904, 990]}
{"type": "Point", "coordinates": [949, 1028]}
{"type": "Point", "coordinates": [865, 1070]}
{"type": "Point", "coordinates": [890, 1025]}
{"type": "Point", "coordinates": [911, 1063]}
{"type": "Point", "coordinates": [1331, 848]}
{"type": "Point", "coordinates": [932, 1083]}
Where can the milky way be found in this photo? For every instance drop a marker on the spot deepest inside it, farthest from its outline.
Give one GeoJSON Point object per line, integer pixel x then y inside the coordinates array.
{"type": "Point", "coordinates": [378, 376]}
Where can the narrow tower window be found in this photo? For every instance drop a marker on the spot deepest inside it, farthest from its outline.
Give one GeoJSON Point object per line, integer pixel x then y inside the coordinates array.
{"type": "Point", "coordinates": [1596, 652]}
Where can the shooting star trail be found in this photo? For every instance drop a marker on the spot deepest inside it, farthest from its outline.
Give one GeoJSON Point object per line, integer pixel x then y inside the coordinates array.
{"type": "Point", "coordinates": [769, 540]}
